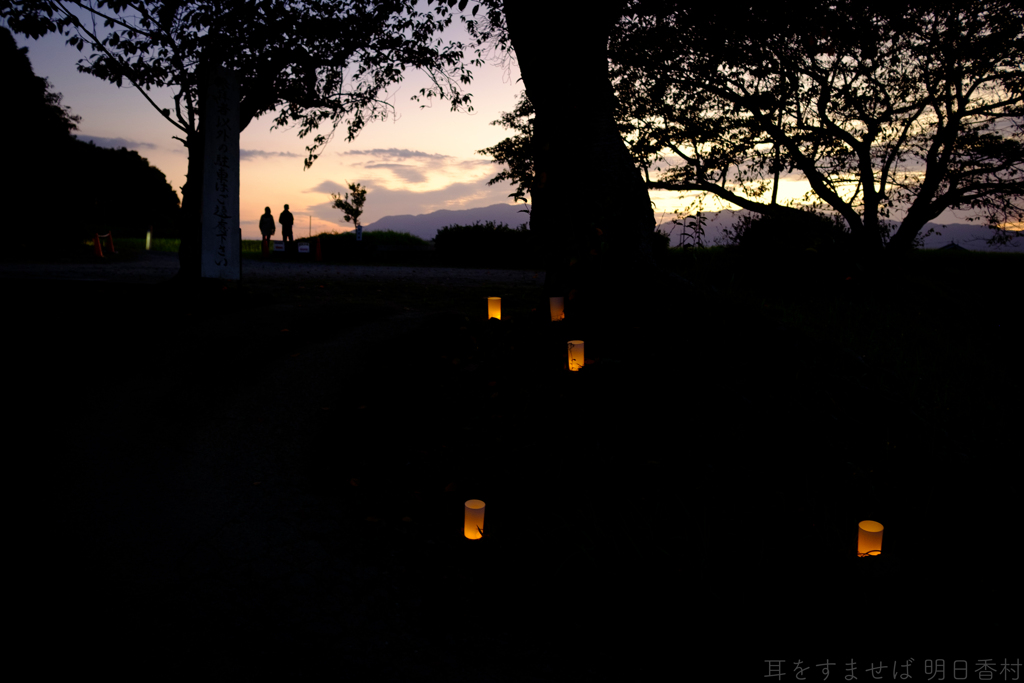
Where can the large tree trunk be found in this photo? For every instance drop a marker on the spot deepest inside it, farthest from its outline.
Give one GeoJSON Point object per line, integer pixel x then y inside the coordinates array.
{"type": "Point", "coordinates": [902, 242]}
{"type": "Point", "coordinates": [190, 250]}
{"type": "Point", "coordinates": [591, 208]}
{"type": "Point", "coordinates": [189, 255]}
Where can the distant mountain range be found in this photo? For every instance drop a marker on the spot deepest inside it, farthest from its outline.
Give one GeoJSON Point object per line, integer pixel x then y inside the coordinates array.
{"type": "Point", "coordinates": [969, 236]}
{"type": "Point", "coordinates": [426, 226]}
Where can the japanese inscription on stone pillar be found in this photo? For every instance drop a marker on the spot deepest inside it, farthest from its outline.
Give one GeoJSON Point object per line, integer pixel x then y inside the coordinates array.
{"type": "Point", "coordinates": [221, 239]}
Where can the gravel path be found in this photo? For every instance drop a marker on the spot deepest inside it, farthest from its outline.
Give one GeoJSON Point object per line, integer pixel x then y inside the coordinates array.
{"type": "Point", "coordinates": [153, 267]}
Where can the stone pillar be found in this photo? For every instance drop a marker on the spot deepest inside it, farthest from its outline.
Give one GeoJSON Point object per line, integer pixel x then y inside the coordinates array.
{"type": "Point", "coordinates": [221, 246]}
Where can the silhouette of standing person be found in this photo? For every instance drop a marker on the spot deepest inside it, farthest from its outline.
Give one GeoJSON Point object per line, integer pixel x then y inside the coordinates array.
{"type": "Point", "coordinates": [267, 227]}
{"type": "Point", "coordinates": [286, 225]}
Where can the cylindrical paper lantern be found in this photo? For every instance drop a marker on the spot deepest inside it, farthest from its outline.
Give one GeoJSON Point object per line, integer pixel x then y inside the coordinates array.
{"type": "Point", "coordinates": [575, 354]}
{"type": "Point", "coordinates": [474, 518]}
{"type": "Point", "coordinates": [869, 538]}
{"type": "Point", "coordinates": [557, 307]}
{"type": "Point", "coordinates": [494, 307]}
{"type": "Point", "coordinates": [149, 238]}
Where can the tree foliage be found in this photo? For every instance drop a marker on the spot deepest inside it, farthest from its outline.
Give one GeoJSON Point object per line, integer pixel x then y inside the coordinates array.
{"type": "Point", "coordinates": [65, 190]}
{"type": "Point", "coordinates": [514, 152]}
{"type": "Point", "coordinates": [888, 110]}
{"type": "Point", "coordinates": [309, 62]}
{"type": "Point", "coordinates": [884, 108]}
{"type": "Point", "coordinates": [118, 189]}
{"type": "Point", "coordinates": [40, 113]}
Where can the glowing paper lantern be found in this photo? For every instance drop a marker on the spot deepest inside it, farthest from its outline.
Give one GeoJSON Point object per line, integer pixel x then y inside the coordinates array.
{"type": "Point", "coordinates": [474, 519]}
{"type": "Point", "coordinates": [494, 307]}
{"type": "Point", "coordinates": [575, 355]}
{"type": "Point", "coordinates": [149, 238]}
{"type": "Point", "coordinates": [557, 308]}
{"type": "Point", "coordinates": [869, 538]}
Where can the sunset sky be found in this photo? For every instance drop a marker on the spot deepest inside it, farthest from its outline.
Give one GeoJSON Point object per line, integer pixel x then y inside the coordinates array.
{"type": "Point", "coordinates": [420, 161]}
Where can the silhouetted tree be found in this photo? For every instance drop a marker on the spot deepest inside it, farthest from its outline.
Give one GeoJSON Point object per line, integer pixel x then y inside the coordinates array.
{"type": "Point", "coordinates": [120, 191]}
{"type": "Point", "coordinates": [515, 152]}
{"type": "Point", "coordinates": [565, 71]}
{"type": "Point", "coordinates": [61, 190]}
{"type": "Point", "coordinates": [38, 136]}
{"type": "Point", "coordinates": [34, 107]}
{"type": "Point", "coordinates": [883, 107]}
{"type": "Point", "coordinates": [352, 208]}
{"type": "Point", "coordinates": [311, 62]}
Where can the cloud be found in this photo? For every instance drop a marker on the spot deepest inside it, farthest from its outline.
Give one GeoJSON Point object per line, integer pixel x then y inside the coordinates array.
{"type": "Point", "coordinates": [394, 153]}
{"type": "Point", "coordinates": [327, 187]}
{"type": "Point", "coordinates": [115, 143]}
{"type": "Point", "coordinates": [413, 166]}
{"type": "Point", "coordinates": [410, 174]}
{"type": "Point", "coordinates": [245, 154]}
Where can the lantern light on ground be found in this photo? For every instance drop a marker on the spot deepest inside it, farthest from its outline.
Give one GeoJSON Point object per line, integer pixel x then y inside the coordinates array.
{"type": "Point", "coordinates": [575, 354]}
{"type": "Point", "coordinates": [869, 538]}
{"type": "Point", "coordinates": [557, 308]}
{"type": "Point", "coordinates": [474, 519]}
{"type": "Point", "coordinates": [494, 307]}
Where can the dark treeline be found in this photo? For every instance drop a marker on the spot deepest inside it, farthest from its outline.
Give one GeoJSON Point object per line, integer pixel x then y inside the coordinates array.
{"type": "Point", "coordinates": [60, 190]}
{"type": "Point", "coordinates": [122, 192]}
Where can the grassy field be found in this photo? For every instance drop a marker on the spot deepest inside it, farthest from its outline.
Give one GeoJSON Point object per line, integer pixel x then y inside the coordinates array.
{"type": "Point", "coordinates": [379, 238]}
{"type": "Point", "coordinates": [133, 245]}
{"type": "Point", "coordinates": [384, 248]}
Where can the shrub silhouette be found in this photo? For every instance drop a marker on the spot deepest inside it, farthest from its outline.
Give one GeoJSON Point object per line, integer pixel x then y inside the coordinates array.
{"type": "Point", "coordinates": [796, 231]}
{"type": "Point", "coordinates": [490, 244]}
{"type": "Point", "coordinates": [344, 247]}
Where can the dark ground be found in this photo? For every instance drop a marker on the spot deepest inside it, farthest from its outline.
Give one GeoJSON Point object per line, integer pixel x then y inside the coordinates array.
{"type": "Point", "coordinates": [206, 492]}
